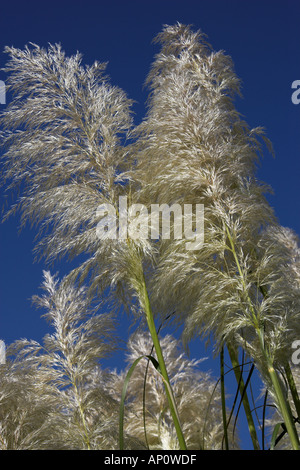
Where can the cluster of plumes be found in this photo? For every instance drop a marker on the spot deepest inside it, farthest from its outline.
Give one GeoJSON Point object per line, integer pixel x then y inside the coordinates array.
{"type": "Point", "coordinates": [70, 146]}
{"type": "Point", "coordinates": [48, 398]}
{"type": "Point", "coordinates": [194, 147]}
{"type": "Point", "coordinates": [55, 395]}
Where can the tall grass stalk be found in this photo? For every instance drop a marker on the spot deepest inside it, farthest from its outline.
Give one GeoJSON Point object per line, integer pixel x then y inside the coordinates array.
{"type": "Point", "coordinates": [244, 395]}
{"type": "Point", "coordinates": [282, 402]}
{"type": "Point", "coordinates": [162, 365]}
{"type": "Point", "coordinates": [223, 398]}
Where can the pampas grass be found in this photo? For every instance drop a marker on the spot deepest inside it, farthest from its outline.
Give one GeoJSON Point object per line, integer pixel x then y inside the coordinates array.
{"type": "Point", "coordinates": [70, 147]}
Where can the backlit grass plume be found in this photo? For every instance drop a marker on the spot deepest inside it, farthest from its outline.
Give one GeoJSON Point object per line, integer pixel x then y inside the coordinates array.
{"type": "Point", "coordinates": [23, 413]}
{"type": "Point", "coordinates": [63, 148]}
{"type": "Point", "coordinates": [70, 148]}
{"type": "Point", "coordinates": [64, 134]}
{"type": "Point", "coordinates": [194, 147]}
{"type": "Point", "coordinates": [75, 412]}
{"type": "Point", "coordinates": [54, 395]}
{"type": "Point", "coordinates": [195, 391]}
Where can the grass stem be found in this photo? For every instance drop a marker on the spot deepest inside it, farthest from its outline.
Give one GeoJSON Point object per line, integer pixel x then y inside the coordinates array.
{"type": "Point", "coordinates": [163, 369]}
{"type": "Point", "coordinates": [223, 399]}
{"type": "Point", "coordinates": [244, 396]}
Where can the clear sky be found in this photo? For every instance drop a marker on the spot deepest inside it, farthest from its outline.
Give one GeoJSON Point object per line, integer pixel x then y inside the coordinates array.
{"type": "Point", "coordinates": [261, 36]}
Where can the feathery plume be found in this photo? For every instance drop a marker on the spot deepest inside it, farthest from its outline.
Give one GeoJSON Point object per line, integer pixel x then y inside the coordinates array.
{"type": "Point", "coordinates": [64, 130]}
{"type": "Point", "coordinates": [195, 391]}
{"type": "Point", "coordinates": [193, 147]}
{"type": "Point", "coordinates": [75, 413]}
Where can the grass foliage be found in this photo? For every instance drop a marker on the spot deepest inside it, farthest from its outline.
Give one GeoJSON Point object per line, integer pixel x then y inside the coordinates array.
{"type": "Point", "coordinates": [69, 145]}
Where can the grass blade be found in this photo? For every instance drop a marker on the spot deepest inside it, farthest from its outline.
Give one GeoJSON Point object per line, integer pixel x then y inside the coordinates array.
{"type": "Point", "coordinates": [274, 435]}
{"type": "Point", "coordinates": [124, 391]}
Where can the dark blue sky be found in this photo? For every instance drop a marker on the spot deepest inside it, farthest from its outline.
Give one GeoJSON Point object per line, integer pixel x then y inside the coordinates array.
{"type": "Point", "coordinates": [261, 36]}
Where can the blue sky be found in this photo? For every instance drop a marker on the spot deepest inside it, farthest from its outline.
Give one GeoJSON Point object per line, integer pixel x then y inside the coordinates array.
{"type": "Point", "coordinates": [261, 36]}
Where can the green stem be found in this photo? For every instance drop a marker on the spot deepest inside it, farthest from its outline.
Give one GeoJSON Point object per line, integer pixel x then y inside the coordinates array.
{"type": "Point", "coordinates": [281, 400]}
{"type": "Point", "coordinates": [86, 434]}
{"type": "Point", "coordinates": [162, 365]}
{"type": "Point", "coordinates": [289, 374]}
{"type": "Point", "coordinates": [285, 409]}
{"type": "Point", "coordinates": [244, 396]}
{"type": "Point", "coordinates": [223, 399]}
{"type": "Point", "coordinates": [252, 310]}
